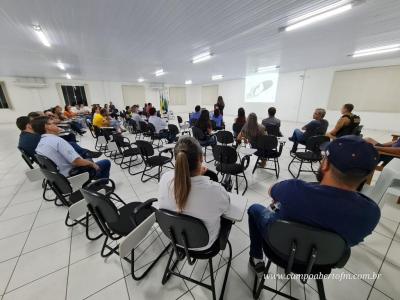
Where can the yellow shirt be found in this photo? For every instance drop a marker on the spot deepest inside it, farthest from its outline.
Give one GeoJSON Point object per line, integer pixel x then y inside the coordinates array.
{"type": "Point", "coordinates": [99, 120]}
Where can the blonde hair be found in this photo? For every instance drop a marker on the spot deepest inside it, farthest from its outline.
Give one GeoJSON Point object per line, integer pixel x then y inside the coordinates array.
{"type": "Point", "coordinates": [187, 157]}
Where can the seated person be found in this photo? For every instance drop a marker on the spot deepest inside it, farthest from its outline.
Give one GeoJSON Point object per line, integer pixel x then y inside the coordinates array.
{"type": "Point", "coordinates": [68, 113]}
{"type": "Point", "coordinates": [65, 133]}
{"type": "Point", "coordinates": [194, 116]}
{"type": "Point", "coordinates": [28, 140]}
{"type": "Point", "coordinates": [186, 190]}
{"type": "Point", "coordinates": [217, 118]}
{"type": "Point", "coordinates": [346, 124]}
{"type": "Point", "coordinates": [239, 122]}
{"type": "Point", "coordinates": [250, 132]}
{"type": "Point", "coordinates": [62, 153]}
{"type": "Point", "coordinates": [272, 121]}
{"type": "Point", "coordinates": [204, 124]}
{"type": "Point", "coordinates": [160, 126]}
{"type": "Point", "coordinates": [334, 204]}
{"type": "Point", "coordinates": [75, 126]}
{"type": "Point", "coordinates": [317, 126]}
{"type": "Point", "coordinates": [100, 119]}
{"type": "Point", "coordinates": [387, 150]}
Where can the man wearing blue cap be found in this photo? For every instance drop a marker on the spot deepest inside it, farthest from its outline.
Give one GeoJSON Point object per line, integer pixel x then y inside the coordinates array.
{"type": "Point", "coordinates": [334, 204]}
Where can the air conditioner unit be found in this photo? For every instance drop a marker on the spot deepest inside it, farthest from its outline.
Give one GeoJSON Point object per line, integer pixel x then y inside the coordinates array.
{"type": "Point", "coordinates": [30, 82]}
{"type": "Point", "coordinates": [156, 85]}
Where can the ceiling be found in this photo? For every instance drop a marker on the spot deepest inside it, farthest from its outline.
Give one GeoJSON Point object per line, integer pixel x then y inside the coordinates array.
{"type": "Point", "coordinates": [123, 40]}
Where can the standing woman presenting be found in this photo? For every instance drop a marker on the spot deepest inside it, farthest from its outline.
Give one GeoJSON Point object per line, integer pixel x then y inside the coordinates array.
{"type": "Point", "coordinates": [220, 105]}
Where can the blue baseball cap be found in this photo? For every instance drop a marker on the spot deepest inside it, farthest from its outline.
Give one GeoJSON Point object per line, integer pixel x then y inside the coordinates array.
{"type": "Point", "coordinates": [352, 153]}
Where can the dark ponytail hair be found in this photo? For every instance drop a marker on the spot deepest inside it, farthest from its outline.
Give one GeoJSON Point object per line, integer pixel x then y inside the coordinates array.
{"type": "Point", "coordinates": [187, 157]}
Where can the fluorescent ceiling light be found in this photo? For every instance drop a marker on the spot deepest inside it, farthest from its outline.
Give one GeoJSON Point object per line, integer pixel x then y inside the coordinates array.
{"type": "Point", "coordinates": [60, 65]}
{"type": "Point", "coordinates": [376, 50]}
{"type": "Point", "coordinates": [140, 79]}
{"type": "Point", "coordinates": [201, 57]}
{"type": "Point", "coordinates": [266, 69]}
{"type": "Point", "coordinates": [68, 76]}
{"type": "Point", "coordinates": [160, 72]}
{"type": "Point", "coordinates": [318, 15]}
{"type": "Point", "coordinates": [217, 77]}
{"type": "Point", "coordinates": [39, 32]}
{"type": "Point", "coordinates": [188, 82]}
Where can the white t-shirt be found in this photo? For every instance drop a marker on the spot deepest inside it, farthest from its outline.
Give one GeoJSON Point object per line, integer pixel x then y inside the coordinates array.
{"type": "Point", "coordinates": [158, 123]}
{"type": "Point", "coordinates": [207, 201]}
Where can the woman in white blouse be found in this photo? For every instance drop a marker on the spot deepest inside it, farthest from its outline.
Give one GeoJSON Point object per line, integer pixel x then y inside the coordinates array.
{"type": "Point", "coordinates": [186, 190]}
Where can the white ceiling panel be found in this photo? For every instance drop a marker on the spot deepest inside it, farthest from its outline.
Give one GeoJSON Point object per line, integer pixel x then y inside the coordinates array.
{"type": "Point", "coordinates": [123, 40]}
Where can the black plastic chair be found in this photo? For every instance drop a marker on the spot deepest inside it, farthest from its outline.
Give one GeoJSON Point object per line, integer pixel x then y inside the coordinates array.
{"type": "Point", "coordinates": [66, 194]}
{"type": "Point", "coordinates": [225, 137]}
{"type": "Point", "coordinates": [183, 126]}
{"type": "Point", "coordinates": [226, 163]}
{"type": "Point", "coordinates": [301, 249]}
{"type": "Point", "coordinates": [311, 154]}
{"type": "Point", "coordinates": [236, 129]}
{"type": "Point", "coordinates": [173, 130]}
{"type": "Point", "coordinates": [268, 150]}
{"type": "Point", "coordinates": [273, 130]}
{"type": "Point", "coordinates": [155, 136]}
{"type": "Point", "coordinates": [116, 223]}
{"type": "Point", "coordinates": [144, 129]}
{"type": "Point", "coordinates": [187, 233]}
{"type": "Point", "coordinates": [125, 151]}
{"type": "Point", "coordinates": [91, 128]}
{"type": "Point", "coordinates": [151, 161]}
{"type": "Point", "coordinates": [199, 135]}
{"type": "Point", "coordinates": [357, 130]}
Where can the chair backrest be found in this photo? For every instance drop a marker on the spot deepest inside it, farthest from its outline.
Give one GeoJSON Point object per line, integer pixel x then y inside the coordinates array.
{"type": "Point", "coordinates": [266, 142]}
{"type": "Point", "coordinates": [59, 184]}
{"type": "Point", "coordinates": [143, 126]}
{"type": "Point", "coordinates": [314, 143]}
{"type": "Point", "coordinates": [103, 209]}
{"type": "Point", "coordinates": [183, 230]}
{"type": "Point", "coordinates": [272, 129]}
{"type": "Point", "coordinates": [151, 128]}
{"type": "Point", "coordinates": [198, 134]}
{"type": "Point", "coordinates": [305, 246]}
{"type": "Point", "coordinates": [389, 174]}
{"type": "Point", "coordinates": [357, 130]}
{"type": "Point", "coordinates": [224, 154]}
{"type": "Point", "coordinates": [29, 160]}
{"type": "Point", "coordinates": [224, 137]}
{"type": "Point", "coordinates": [145, 148]}
{"type": "Point", "coordinates": [237, 128]}
{"type": "Point", "coordinates": [180, 121]}
{"type": "Point", "coordinates": [173, 129]}
{"type": "Point", "coordinates": [46, 163]}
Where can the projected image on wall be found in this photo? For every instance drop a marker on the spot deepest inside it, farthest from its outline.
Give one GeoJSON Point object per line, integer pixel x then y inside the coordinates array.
{"type": "Point", "coordinates": [261, 87]}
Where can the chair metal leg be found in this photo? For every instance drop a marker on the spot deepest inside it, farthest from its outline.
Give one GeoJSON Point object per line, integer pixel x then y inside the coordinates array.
{"type": "Point", "coordinates": [87, 230]}
{"type": "Point", "coordinates": [167, 273]}
{"type": "Point", "coordinates": [237, 184]}
{"type": "Point", "coordinates": [212, 278]}
{"type": "Point", "coordinates": [228, 267]}
{"type": "Point", "coordinates": [255, 166]}
{"type": "Point", "coordinates": [289, 169]}
{"type": "Point", "coordinates": [245, 180]}
{"type": "Point", "coordinates": [321, 290]}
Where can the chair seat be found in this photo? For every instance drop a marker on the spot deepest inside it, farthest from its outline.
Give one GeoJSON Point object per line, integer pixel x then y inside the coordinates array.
{"type": "Point", "coordinates": [297, 268]}
{"type": "Point", "coordinates": [125, 225]}
{"type": "Point", "coordinates": [131, 152]}
{"type": "Point", "coordinates": [310, 156]}
{"type": "Point", "coordinates": [77, 195]}
{"type": "Point", "coordinates": [158, 160]}
{"type": "Point", "coordinates": [232, 169]}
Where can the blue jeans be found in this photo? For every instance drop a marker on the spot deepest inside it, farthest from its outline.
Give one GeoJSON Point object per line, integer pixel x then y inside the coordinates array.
{"type": "Point", "coordinates": [81, 151]}
{"type": "Point", "coordinates": [259, 218]}
{"type": "Point", "coordinates": [104, 171]}
{"type": "Point", "coordinates": [297, 137]}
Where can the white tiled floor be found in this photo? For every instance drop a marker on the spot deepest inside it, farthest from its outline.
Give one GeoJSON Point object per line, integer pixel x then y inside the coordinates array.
{"type": "Point", "coordinates": [40, 258]}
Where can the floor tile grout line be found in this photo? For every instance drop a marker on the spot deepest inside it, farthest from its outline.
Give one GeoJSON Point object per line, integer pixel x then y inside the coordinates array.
{"type": "Point", "coordinates": [126, 283]}
{"type": "Point", "coordinates": [12, 198]}
{"type": "Point", "coordinates": [22, 249]}
{"type": "Point", "coordinates": [383, 261]}
{"type": "Point", "coordinates": [69, 261]}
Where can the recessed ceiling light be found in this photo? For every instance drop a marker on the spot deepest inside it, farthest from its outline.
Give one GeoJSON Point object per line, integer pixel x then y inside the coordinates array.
{"type": "Point", "coordinates": [376, 50]}
{"type": "Point", "coordinates": [319, 15]}
{"type": "Point", "coordinates": [266, 69]}
{"type": "Point", "coordinates": [68, 76]}
{"type": "Point", "coordinates": [140, 79]}
{"type": "Point", "coordinates": [188, 82]}
{"type": "Point", "coordinates": [217, 77]}
{"type": "Point", "coordinates": [60, 65]}
{"type": "Point", "coordinates": [201, 57]}
{"type": "Point", "coordinates": [39, 32]}
{"type": "Point", "coordinates": [159, 72]}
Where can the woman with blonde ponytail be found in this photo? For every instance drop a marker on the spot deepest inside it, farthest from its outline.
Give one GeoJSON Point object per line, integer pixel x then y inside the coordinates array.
{"type": "Point", "coordinates": [189, 190]}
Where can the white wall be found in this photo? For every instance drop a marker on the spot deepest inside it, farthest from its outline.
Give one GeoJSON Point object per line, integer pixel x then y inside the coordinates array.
{"type": "Point", "coordinates": [298, 94]}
